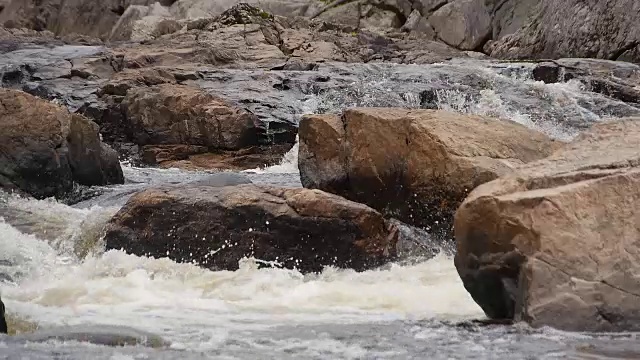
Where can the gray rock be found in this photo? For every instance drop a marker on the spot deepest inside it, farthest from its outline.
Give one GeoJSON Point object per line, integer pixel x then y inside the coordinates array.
{"type": "Point", "coordinates": [222, 179]}
{"type": "Point", "coordinates": [182, 9]}
{"type": "Point", "coordinates": [510, 15]}
{"type": "Point", "coordinates": [605, 29]}
{"type": "Point", "coordinates": [463, 24]}
{"type": "Point", "coordinates": [417, 24]}
{"type": "Point", "coordinates": [427, 7]}
{"type": "Point", "coordinates": [347, 14]}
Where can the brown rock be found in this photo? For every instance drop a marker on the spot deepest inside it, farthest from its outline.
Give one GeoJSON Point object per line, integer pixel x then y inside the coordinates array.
{"type": "Point", "coordinates": [298, 228]}
{"type": "Point", "coordinates": [321, 155]}
{"type": "Point", "coordinates": [416, 165]}
{"type": "Point", "coordinates": [44, 149]}
{"type": "Point", "coordinates": [175, 114]}
{"type": "Point", "coordinates": [557, 242]}
{"type": "Point", "coordinates": [123, 81]}
{"type": "Point", "coordinates": [192, 157]}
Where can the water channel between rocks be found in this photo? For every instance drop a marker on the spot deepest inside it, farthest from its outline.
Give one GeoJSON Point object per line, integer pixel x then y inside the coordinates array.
{"type": "Point", "coordinates": [53, 269]}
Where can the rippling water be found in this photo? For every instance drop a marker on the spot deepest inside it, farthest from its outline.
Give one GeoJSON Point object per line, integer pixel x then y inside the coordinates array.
{"type": "Point", "coordinates": [54, 271]}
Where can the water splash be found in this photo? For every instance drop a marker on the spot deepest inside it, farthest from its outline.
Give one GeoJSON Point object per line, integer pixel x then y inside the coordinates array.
{"type": "Point", "coordinates": [287, 165]}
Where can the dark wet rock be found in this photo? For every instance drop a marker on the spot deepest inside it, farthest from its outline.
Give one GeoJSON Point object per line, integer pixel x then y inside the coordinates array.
{"type": "Point", "coordinates": [416, 165]}
{"type": "Point", "coordinates": [45, 149]}
{"type": "Point", "coordinates": [614, 79]}
{"type": "Point", "coordinates": [615, 89]}
{"type": "Point", "coordinates": [3, 320]}
{"type": "Point", "coordinates": [554, 243]}
{"type": "Point", "coordinates": [296, 228]}
{"type": "Point", "coordinates": [416, 245]}
{"type": "Point", "coordinates": [548, 72]}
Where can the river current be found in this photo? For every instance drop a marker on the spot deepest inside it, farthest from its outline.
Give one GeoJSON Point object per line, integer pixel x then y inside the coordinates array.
{"type": "Point", "coordinates": [55, 273]}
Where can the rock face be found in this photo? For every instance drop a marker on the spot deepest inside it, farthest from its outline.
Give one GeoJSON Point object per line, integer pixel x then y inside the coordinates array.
{"type": "Point", "coordinates": [605, 29]}
{"type": "Point", "coordinates": [298, 228]}
{"type": "Point", "coordinates": [556, 242]}
{"type": "Point", "coordinates": [88, 17]}
{"type": "Point", "coordinates": [44, 149]}
{"type": "Point", "coordinates": [416, 165]}
{"type": "Point", "coordinates": [502, 28]}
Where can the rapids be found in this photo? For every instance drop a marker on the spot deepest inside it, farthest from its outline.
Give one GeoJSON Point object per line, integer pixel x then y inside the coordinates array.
{"type": "Point", "coordinates": [54, 270]}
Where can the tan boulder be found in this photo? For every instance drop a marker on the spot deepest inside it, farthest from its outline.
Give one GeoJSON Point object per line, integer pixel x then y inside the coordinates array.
{"type": "Point", "coordinates": [416, 165]}
{"type": "Point", "coordinates": [44, 149]}
{"type": "Point", "coordinates": [216, 227]}
{"type": "Point", "coordinates": [557, 243]}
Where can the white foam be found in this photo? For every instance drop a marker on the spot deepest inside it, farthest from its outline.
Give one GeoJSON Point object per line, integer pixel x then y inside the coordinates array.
{"type": "Point", "coordinates": [288, 164]}
{"type": "Point", "coordinates": [189, 304]}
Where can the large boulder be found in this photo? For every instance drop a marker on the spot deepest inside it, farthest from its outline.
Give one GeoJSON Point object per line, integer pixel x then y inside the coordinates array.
{"type": "Point", "coordinates": [186, 127]}
{"type": "Point", "coordinates": [605, 29]}
{"type": "Point", "coordinates": [176, 114]}
{"type": "Point", "coordinates": [216, 227]}
{"type": "Point", "coordinates": [463, 24]}
{"type": "Point", "coordinates": [44, 149]}
{"type": "Point", "coordinates": [416, 165]}
{"type": "Point", "coordinates": [142, 23]}
{"type": "Point", "coordinates": [557, 242]}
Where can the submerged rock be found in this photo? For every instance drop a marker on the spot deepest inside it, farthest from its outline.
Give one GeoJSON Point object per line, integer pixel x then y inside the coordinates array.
{"type": "Point", "coordinates": [216, 227]}
{"type": "Point", "coordinates": [106, 335]}
{"type": "Point", "coordinates": [44, 149]}
{"type": "Point", "coordinates": [556, 242]}
{"type": "Point", "coordinates": [416, 165]}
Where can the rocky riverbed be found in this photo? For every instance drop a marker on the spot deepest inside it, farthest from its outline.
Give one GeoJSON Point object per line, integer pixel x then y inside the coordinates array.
{"type": "Point", "coordinates": [307, 179]}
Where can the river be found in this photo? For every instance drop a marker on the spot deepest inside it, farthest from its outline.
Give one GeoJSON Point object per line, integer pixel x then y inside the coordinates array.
{"type": "Point", "coordinates": [54, 270]}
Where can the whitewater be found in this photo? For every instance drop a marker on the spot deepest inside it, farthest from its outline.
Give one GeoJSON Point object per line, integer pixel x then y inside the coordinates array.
{"type": "Point", "coordinates": [55, 275]}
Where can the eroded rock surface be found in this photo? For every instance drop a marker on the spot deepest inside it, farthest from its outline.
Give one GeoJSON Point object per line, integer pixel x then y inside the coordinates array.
{"type": "Point", "coordinates": [556, 242]}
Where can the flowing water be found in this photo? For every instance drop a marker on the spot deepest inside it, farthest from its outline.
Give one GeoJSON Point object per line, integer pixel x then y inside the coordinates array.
{"type": "Point", "coordinates": [55, 273]}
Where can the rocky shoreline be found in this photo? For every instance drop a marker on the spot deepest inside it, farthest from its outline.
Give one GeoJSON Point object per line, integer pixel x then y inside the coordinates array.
{"type": "Point", "coordinates": [546, 228]}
